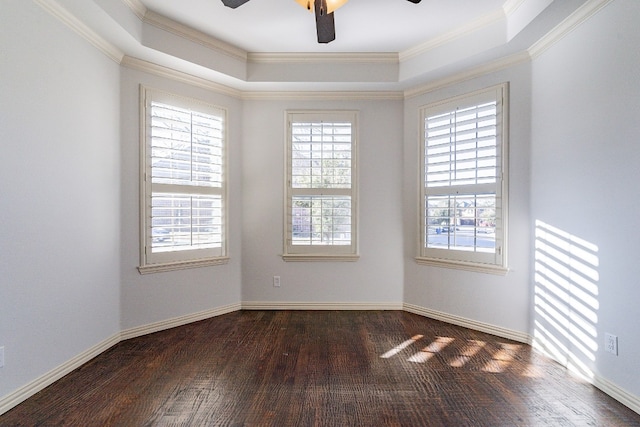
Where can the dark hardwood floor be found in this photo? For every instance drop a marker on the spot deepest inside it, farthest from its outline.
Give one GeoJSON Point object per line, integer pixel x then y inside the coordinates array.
{"type": "Point", "coordinates": [320, 368]}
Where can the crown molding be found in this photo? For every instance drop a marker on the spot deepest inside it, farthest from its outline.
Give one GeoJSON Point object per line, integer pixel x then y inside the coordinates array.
{"type": "Point", "coordinates": [322, 95]}
{"type": "Point", "coordinates": [582, 14]}
{"type": "Point", "coordinates": [341, 57]}
{"type": "Point", "coordinates": [160, 21]}
{"type": "Point", "coordinates": [161, 71]}
{"type": "Point", "coordinates": [490, 67]}
{"type": "Point", "coordinates": [169, 73]}
{"type": "Point", "coordinates": [510, 6]}
{"type": "Point", "coordinates": [59, 12]}
{"type": "Point", "coordinates": [577, 18]}
{"type": "Point", "coordinates": [192, 35]}
{"type": "Point", "coordinates": [443, 39]}
{"type": "Point", "coordinates": [137, 7]}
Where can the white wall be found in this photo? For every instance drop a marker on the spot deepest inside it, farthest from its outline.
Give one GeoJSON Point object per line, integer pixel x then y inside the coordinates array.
{"type": "Point", "coordinates": [69, 193]}
{"type": "Point", "coordinates": [501, 301]}
{"type": "Point", "coordinates": [377, 276]}
{"type": "Point", "coordinates": [585, 175]}
{"type": "Point", "coordinates": [157, 297]}
{"type": "Point", "coordinates": [59, 194]}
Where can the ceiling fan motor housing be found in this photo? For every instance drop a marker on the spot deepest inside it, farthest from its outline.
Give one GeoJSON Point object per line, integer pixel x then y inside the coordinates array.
{"type": "Point", "coordinates": [325, 25]}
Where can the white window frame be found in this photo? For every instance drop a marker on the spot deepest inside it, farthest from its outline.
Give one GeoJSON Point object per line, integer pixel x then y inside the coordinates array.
{"type": "Point", "coordinates": [320, 252]}
{"type": "Point", "coordinates": [472, 260]}
{"type": "Point", "coordinates": [150, 261]}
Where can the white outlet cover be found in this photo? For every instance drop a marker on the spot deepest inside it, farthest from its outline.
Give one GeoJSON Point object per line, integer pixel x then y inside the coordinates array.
{"type": "Point", "coordinates": [611, 343]}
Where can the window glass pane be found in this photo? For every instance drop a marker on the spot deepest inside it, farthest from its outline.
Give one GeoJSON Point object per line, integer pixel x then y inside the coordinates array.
{"type": "Point", "coordinates": [186, 146]}
{"type": "Point", "coordinates": [461, 222]}
{"type": "Point", "coordinates": [184, 221]}
{"type": "Point", "coordinates": [460, 146]}
{"type": "Point", "coordinates": [321, 220]}
{"type": "Point", "coordinates": [321, 155]}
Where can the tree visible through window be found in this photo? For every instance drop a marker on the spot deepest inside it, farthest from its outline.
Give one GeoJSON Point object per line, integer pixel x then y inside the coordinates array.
{"type": "Point", "coordinates": [463, 180]}
{"type": "Point", "coordinates": [321, 184]}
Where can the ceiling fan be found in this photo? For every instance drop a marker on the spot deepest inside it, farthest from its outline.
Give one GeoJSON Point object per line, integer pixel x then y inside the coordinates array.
{"type": "Point", "coordinates": [325, 26]}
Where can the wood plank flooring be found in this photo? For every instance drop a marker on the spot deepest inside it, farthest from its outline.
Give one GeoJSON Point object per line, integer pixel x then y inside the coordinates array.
{"type": "Point", "coordinates": [320, 368]}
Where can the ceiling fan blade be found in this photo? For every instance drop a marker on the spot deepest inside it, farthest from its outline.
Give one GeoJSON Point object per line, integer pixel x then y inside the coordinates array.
{"type": "Point", "coordinates": [415, 1]}
{"type": "Point", "coordinates": [235, 3]}
{"type": "Point", "coordinates": [325, 26]}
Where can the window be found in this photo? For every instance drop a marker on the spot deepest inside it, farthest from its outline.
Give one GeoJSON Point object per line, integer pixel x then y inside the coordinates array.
{"type": "Point", "coordinates": [321, 203]}
{"type": "Point", "coordinates": [463, 182]}
{"type": "Point", "coordinates": [183, 183]}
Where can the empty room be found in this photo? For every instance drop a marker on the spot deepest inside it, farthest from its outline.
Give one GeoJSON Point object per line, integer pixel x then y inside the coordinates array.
{"type": "Point", "coordinates": [329, 212]}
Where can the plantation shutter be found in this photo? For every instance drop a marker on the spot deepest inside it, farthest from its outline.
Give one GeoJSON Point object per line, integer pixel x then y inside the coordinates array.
{"type": "Point", "coordinates": [321, 184]}
{"type": "Point", "coordinates": [463, 204]}
{"type": "Point", "coordinates": [184, 181]}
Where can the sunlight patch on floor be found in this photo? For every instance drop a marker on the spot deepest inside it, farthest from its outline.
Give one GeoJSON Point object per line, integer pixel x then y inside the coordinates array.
{"type": "Point", "coordinates": [431, 350]}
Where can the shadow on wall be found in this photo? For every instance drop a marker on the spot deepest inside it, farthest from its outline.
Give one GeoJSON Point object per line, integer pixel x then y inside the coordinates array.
{"type": "Point", "coordinates": [566, 298]}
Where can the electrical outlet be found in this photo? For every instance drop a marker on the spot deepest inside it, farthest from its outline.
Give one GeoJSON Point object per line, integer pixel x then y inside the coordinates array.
{"type": "Point", "coordinates": [276, 281]}
{"type": "Point", "coordinates": [611, 343]}
{"type": "Point", "coordinates": [1, 357]}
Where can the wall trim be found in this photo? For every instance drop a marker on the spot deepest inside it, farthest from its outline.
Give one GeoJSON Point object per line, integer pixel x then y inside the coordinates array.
{"type": "Point", "coordinates": [179, 76]}
{"type": "Point", "coordinates": [322, 95]}
{"type": "Point", "coordinates": [321, 57]}
{"type": "Point", "coordinates": [475, 72]}
{"type": "Point", "coordinates": [300, 305]}
{"type": "Point", "coordinates": [439, 41]}
{"type": "Point", "coordinates": [177, 321]}
{"type": "Point", "coordinates": [81, 29]}
{"type": "Point", "coordinates": [469, 323]}
{"type": "Point", "coordinates": [627, 399]}
{"type": "Point", "coordinates": [195, 36]}
{"type": "Point", "coordinates": [607, 387]}
{"type": "Point", "coordinates": [510, 6]}
{"type": "Point", "coordinates": [614, 391]}
{"type": "Point", "coordinates": [136, 7]}
{"type": "Point", "coordinates": [23, 393]}
{"type": "Point", "coordinates": [577, 18]}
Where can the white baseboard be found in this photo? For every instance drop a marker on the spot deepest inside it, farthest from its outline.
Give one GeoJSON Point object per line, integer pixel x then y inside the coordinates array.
{"type": "Point", "coordinates": [627, 399]}
{"type": "Point", "coordinates": [9, 401]}
{"type": "Point", "coordinates": [177, 321]}
{"type": "Point", "coordinates": [23, 393]}
{"type": "Point", "coordinates": [469, 323]}
{"type": "Point", "coordinates": [606, 386]}
{"type": "Point", "coordinates": [282, 305]}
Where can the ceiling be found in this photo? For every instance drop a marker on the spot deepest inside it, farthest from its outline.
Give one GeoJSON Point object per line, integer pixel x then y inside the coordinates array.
{"type": "Point", "coordinates": [361, 25]}
{"type": "Point", "coordinates": [270, 45]}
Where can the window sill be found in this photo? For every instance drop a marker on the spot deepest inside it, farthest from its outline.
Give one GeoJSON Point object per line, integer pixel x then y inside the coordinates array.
{"type": "Point", "coordinates": [320, 257]}
{"type": "Point", "coordinates": [181, 265]}
{"type": "Point", "coordinates": [462, 265]}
